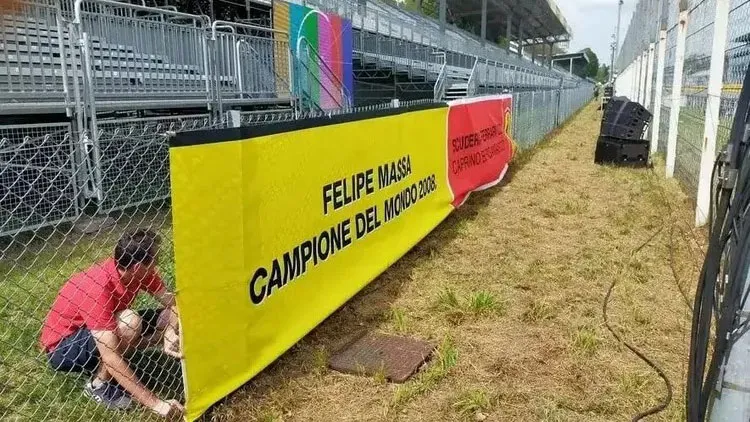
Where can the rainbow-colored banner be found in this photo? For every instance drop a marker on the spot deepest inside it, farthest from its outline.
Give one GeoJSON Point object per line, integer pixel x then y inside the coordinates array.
{"type": "Point", "coordinates": [322, 45]}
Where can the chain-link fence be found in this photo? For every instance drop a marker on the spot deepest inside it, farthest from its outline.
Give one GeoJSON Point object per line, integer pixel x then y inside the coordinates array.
{"type": "Point", "coordinates": [70, 191]}
{"type": "Point", "coordinates": [537, 113]}
{"type": "Point", "coordinates": [693, 32]}
{"type": "Point", "coordinates": [50, 233]}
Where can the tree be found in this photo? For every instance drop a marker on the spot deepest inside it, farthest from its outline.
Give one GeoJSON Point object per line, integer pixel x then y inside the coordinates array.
{"type": "Point", "coordinates": [603, 74]}
{"type": "Point", "coordinates": [592, 69]}
{"type": "Point", "coordinates": [429, 7]}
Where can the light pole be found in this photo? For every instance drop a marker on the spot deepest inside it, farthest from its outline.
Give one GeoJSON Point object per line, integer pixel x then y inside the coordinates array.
{"type": "Point", "coordinates": [613, 47]}
{"type": "Point", "coordinates": [617, 40]}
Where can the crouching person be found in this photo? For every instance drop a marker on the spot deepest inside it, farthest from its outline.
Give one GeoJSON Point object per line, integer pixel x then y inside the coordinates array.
{"type": "Point", "coordinates": [91, 327]}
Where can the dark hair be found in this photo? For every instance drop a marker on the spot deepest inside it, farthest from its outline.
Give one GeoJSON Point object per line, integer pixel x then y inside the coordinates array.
{"type": "Point", "coordinates": [136, 247]}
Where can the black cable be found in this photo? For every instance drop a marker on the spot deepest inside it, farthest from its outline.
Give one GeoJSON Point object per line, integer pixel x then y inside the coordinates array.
{"type": "Point", "coordinates": [665, 402]}
{"type": "Point", "coordinates": [671, 220]}
{"type": "Point", "coordinates": [674, 270]}
{"type": "Point", "coordinates": [719, 294]}
{"type": "Point", "coordinates": [715, 191]}
{"type": "Point", "coordinates": [734, 243]}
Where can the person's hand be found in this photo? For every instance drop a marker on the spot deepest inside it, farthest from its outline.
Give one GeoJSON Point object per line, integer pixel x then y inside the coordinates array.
{"type": "Point", "coordinates": [172, 343]}
{"type": "Point", "coordinates": [171, 410]}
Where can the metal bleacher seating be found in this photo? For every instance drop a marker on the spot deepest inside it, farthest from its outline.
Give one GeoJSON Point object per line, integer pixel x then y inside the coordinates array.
{"type": "Point", "coordinates": [88, 89]}
{"type": "Point", "coordinates": [104, 55]}
{"type": "Point", "coordinates": [117, 56]}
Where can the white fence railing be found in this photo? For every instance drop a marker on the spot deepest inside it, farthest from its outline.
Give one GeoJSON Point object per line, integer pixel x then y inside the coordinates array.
{"type": "Point", "coordinates": [685, 61]}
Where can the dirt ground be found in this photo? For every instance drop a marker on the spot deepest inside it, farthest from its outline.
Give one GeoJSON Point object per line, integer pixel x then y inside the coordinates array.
{"type": "Point", "coordinates": [511, 287]}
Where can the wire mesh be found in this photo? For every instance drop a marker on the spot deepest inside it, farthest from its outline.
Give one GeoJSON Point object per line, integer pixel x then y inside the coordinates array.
{"type": "Point", "coordinates": [698, 46]}
{"type": "Point", "coordinates": [537, 113]}
{"type": "Point", "coordinates": [37, 175]}
{"type": "Point", "coordinates": [134, 161]}
{"type": "Point", "coordinates": [693, 99]}
{"type": "Point", "coordinates": [35, 263]}
{"type": "Point", "coordinates": [737, 61]}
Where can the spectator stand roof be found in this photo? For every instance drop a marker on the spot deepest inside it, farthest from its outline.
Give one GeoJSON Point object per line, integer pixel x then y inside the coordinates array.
{"type": "Point", "coordinates": [571, 62]}
{"type": "Point", "coordinates": [531, 21]}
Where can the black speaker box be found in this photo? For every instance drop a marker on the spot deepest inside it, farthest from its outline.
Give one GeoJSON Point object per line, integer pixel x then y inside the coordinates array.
{"type": "Point", "coordinates": [624, 119]}
{"type": "Point", "coordinates": [633, 131]}
{"type": "Point", "coordinates": [621, 152]}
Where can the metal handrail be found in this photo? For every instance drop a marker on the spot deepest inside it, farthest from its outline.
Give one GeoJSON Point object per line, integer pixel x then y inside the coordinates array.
{"type": "Point", "coordinates": [218, 24]}
{"type": "Point", "coordinates": [232, 27]}
{"type": "Point", "coordinates": [473, 80]}
{"type": "Point", "coordinates": [347, 97]}
{"type": "Point", "coordinates": [430, 31]}
{"type": "Point", "coordinates": [238, 65]}
{"type": "Point", "coordinates": [305, 93]}
{"type": "Point", "coordinates": [439, 89]}
{"type": "Point", "coordinates": [203, 19]}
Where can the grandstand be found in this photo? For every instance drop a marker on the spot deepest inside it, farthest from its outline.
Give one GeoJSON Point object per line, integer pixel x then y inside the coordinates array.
{"type": "Point", "coordinates": [525, 23]}
{"type": "Point", "coordinates": [89, 87]}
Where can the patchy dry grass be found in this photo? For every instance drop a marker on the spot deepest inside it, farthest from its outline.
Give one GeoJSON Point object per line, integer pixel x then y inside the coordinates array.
{"type": "Point", "coordinates": [473, 402]}
{"type": "Point", "coordinates": [511, 287]}
{"type": "Point", "coordinates": [485, 303]}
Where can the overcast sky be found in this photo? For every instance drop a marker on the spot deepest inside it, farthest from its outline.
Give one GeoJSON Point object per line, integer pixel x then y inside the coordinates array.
{"type": "Point", "coordinates": [593, 23]}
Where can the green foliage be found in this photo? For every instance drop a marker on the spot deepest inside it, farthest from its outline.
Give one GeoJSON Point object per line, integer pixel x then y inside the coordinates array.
{"type": "Point", "coordinates": [398, 317]}
{"type": "Point", "coordinates": [428, 7]}
{"type": "Point", "coordinates": [482, 303]}
{"type": "Point", "coordinates": [603, 74]}
{"type": "Point", "coordinates": [447, 301]}
{"type": "Point", "coordinates": [473, 401]}
{"type": "Point", "coordinates": [586, 341]}
{"type": "Point", "coordinates": [446, 359]}
{"type": "Point", "coordinates": [592, 69]}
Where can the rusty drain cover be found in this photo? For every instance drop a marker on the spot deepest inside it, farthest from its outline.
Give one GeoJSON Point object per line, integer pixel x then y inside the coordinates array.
{"type": "Point", "coordinates": [397, 357]}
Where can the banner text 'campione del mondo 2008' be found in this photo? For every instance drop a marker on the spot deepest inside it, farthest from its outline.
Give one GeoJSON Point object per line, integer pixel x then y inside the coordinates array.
{"type": "Point", "coordinates": [277, 226]}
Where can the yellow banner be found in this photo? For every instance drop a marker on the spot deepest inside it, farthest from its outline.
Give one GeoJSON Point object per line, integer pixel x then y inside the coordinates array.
{"type": "Point", "coordinates": [276, 227]}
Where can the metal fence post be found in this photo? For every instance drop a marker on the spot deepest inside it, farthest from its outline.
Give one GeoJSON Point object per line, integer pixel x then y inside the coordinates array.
{"type": "Point", "coordinates": [649, 76]}
{"type": "Point", "coordinates": [234, 119]}
{"type": "Point", "coordinates": [658, 89]}
{"type": "Point", "coordinates": [89, 89]}
{"type": "Point", "coordinates": [558, 120]}
{"type": "Point", "coordinates": [644, 78]}
{"type": "Point", "coordinates": [713, 103]}
{"type": "Point", "coordinates": [674, 112]}
{"type": "Point", "coordinates": [637, 78]}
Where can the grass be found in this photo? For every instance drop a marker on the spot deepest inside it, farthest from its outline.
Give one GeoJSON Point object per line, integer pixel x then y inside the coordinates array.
{"type": "Point", "coordinates": [510, 286]}
{"type": "Point", "coordinates": [447, 301]}
{"type": "Point", "coordinates": [586, 341]}
{"type": "Point", "coordinates": [485, 303]}
{"type": "Point", "coordinates": [31, 274]}
{"type": "Point", "coordinates": [634, 383]}
{"type": "Point", "coordinates": [399, 320]}
{"type": "Point", "coordinates": [472, 402]}
{"type": "Point", "coordinates": [478, 304]}
{"type": "Point", "coordinates": [538, 311]}
{"type": "Point", "coordinates": [320, 360]}
{"type": "Point", "coordinates": [446, 359]}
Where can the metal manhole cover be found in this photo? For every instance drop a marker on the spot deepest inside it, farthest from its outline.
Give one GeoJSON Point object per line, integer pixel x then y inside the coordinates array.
{"type": "Point", "coordinates": [398, 358]}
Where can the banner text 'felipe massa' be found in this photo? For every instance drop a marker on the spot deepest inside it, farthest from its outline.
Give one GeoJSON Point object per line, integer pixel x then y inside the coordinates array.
{"type": "Point", "coordinates": [277, 226]}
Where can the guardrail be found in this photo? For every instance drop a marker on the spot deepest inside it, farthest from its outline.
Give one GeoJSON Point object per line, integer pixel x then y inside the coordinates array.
{"type": "Point", "coordinates": [685, 62]}
{"type": "Point", "coordinates": [472, 86]}
{"type": "Point", "coordinates": [439, 91]}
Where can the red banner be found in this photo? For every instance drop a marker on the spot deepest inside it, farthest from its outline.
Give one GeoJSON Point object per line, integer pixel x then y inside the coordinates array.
{"type": "Point", "coordinates": [479, 144]}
